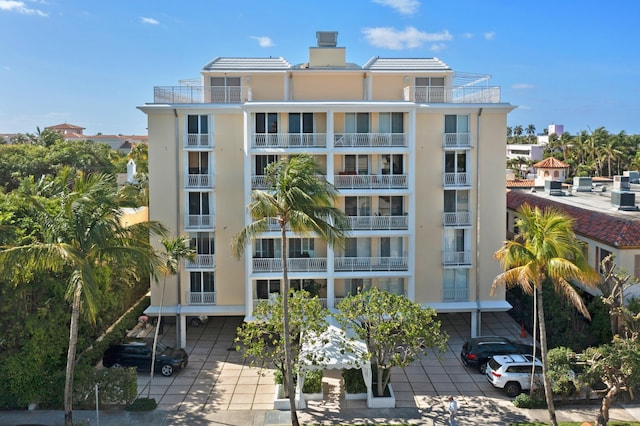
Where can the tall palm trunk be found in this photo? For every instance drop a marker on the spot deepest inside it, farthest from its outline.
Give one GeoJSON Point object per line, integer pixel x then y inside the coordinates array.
{"type": "Point", "coordinates": [532, 386]}
{"type": "Point", "coordinates": [548, 392]}
{"type": "Point", "coordinates": [285, 325]}
{"type": "Point", "coordinates": [71, 356]}
{"type": "Point", "coordinates": [155, 337]}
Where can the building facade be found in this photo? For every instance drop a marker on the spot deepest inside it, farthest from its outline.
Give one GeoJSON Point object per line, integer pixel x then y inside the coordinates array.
{"type": "Point", "coordinates": [410, 145]}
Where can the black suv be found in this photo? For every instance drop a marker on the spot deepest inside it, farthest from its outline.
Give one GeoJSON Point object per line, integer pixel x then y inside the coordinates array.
{"type": "Point", "coordinates": [477, 351]}
{"type": "Point", "coordinates": [137, 353]}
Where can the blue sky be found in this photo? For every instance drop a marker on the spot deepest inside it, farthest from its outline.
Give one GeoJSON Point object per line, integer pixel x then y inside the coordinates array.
{"type": "Point", "coordinates": [91, 62]}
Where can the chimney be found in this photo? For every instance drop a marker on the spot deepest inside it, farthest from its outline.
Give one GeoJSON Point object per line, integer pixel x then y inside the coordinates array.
{"type": "Point", "coordinates": [327, 54]}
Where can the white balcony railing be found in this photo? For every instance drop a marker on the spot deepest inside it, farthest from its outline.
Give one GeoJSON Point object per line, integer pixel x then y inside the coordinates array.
{"type": "Point", "coordinates": [457, 179]}
{"type": "Point", "coordinates": [456, 258]}
{"type": "Point", "coordinates": [260, 181]}
{"type": "Point", "coordinates": [459, 218]}
{"type": "Point", "coordinates": [199, 221]}
{"type": "Point", "coordinates": [456, 140]}
{"type": "Point", "coordinates": [345, 264]}
{"type": "Point", "coordinates": [198, 140]}
{"type": "Point", "coordinates": [349, 181]}
{"type": "Point", "coordinates": [201, 297]}
{"type": "Point", "coordinates": [201, 261]}
{"type": "Point", "coordinates": [370, 140]}
{"type": "Point", "coordinates": [375, 223]}
{"type": "Point", "coordinates": [289, 140]}
{"type": "Point", "coordinates": [305, 264]}
{"type": "Point", "coordinates": [196, 181]}
{"type": "Point", "coordinates": [455, 294]}
{"type": "Point", "coordinates": [201, 94]}
{"type": "Point", "coordinates": [455, 94]}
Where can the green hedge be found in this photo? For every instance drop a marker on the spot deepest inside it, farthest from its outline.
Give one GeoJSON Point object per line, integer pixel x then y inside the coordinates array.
{"type": "Point", "coordinates": [353, 381]}
{"type": "Point", "coordinates": [116, 387]}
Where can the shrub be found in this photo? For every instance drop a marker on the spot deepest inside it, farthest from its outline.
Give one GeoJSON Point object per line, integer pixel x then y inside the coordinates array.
{"type": "Point", "coordinates": [353, 381]}
{"type": "Point", "coordinates": [524, 400]}
{"type": "Point", "coordinates": [143, 404]}
{"type": "Point", "coordinates": [312, 382]}
{"type": "Point", "coordinates": [561, 375]}
{"type": "Point", "coordinates": [116, 386]}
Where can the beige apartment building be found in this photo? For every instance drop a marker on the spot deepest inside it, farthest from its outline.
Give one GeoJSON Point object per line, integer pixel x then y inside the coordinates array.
{"type": "Point", "coordinates": [415, 149]}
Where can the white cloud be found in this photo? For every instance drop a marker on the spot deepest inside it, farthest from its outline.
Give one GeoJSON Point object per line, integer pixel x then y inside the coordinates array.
{"type": "Point", "coordinates": [149, 21]}
{"type": "Point", "coordinates": [467, 35]}
{"type": "Point", "coordinates": [263, 41]}
{"type": "Point", "coordinates": [19, 7]}
{"type": "Point", "coordinates": [406, 7]}
{"type": "Point", "coordinates": [523, 86]}
{"type": "Point", "coordinates": [409, 38]}
{"type": "Point", "coordinates": [489, 35]}
{"type": "Point", "coordinates": [436, 47]}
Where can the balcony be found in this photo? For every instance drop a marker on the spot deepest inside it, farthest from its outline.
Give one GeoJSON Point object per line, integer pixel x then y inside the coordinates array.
{"type": "Point", "coordinates": [199, 221]}
{"type": "Point", "coordinates": [305, 264]}
{"type": "Point", "coordinates": [456, 258]}
{"type": "Point", "coordinates": [201, 297]}
{"type": "Point", "coordinates": [459, 218]}
{"type": "Point", "coordinates": [353, 181]}
{"type": "Point", "coordinates": [467, 94]}
{"type": "Point", "coordinates": [198, 181]}
{"type": "Point", "coordinates": [289, 140]}
{"type": "Point", "coordinates": [201, 261]}
{"type": "Point", "coordinates": [456, 140]}
{"type": "Point", "coordinates": [201, 94]}
{"type": "Point", "coordinates": [370, 140]}
{"type": "Point", "coordinates": [370, 264]}
{"type": "Point", "coordinates": [457, 179]}
{"type": "Point", "coordinates": [455, 294]}
{"type": "Point", "coordinates": [260, 181]}
{"type": "Point", "coordinates": [198, 141]}
{"type": "Point", "coordinates": [379, 223]}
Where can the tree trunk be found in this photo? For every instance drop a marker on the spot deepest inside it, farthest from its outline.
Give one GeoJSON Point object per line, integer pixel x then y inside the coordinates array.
{"type": "Point", "coordinates": [548, 393]}
{"type": "Point", "coordinates": [380, 375]}
{"type": "Point", "coordinates": [603, 414]}
{"type": "Point", "coordinates": [532, 385]}
{"type": "Point", "coordinates": [71, 356]}
{"type": "Point", "coordinates": [285, 324]}
{"type": "Point", "coordinates": [155, 338]}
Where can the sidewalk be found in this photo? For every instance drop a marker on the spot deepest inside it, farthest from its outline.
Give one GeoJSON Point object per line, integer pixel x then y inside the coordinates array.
{"type": "Point", "coordinates": [481, 411]}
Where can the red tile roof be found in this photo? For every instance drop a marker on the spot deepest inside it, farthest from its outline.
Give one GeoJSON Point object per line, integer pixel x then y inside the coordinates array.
{"type": "Point", "coordinates": [551, 163]}
{"type": "Point", "coordinates": [521, 183]}
{"type": "Point", "coordinates": [615, 231]}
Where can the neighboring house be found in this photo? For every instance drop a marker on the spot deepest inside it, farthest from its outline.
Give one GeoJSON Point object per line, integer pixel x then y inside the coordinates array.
{"type": "Point", "coordinates": [122, 143]}
{"type": "Point", "coordinates": [410, 145]}
{"type": "Point", "coordinates": [605, 214]}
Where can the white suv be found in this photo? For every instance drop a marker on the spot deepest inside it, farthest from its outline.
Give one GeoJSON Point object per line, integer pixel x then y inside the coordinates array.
{"type": "Point", "coordinates": [512, 372]}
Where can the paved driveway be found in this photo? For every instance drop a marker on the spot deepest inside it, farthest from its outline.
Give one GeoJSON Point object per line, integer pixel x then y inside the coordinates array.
{"type": "Point", "coordinates": [217, 378]}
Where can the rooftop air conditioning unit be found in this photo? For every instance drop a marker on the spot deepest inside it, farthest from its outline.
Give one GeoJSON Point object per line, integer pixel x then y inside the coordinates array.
{"type": "Point", "coordinates": [623, 200]}
{"type": "Point", "coordinates": [634, 175]}
{"type": "Point", "coordinates": [327, 38]}
{"type": "Point", "coordinates": [553, 187]}
{"type": "Point", "coordinates": [582, 184]}
{"type": "Point", "coordinates": [621, 183]}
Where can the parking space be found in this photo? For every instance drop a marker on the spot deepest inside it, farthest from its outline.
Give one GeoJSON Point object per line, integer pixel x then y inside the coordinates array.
{"type": "Point", "coordinates": [217, 378]}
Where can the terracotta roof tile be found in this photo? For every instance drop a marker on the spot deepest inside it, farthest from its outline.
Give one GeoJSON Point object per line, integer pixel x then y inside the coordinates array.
{"type": "Point", "coordinates": [551, 163]}
{"type": "Point", "coordinates": [521, 183]}
{"type": "Point", "coordinates": [612, 230]}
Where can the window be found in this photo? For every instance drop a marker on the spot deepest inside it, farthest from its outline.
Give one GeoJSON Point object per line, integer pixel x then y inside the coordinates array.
{"type": "Point", "coordinates": [202, 242]}
{"type": "Point", "coordinates": [198, 163]}
{"type": "Point", "coordinates": [197, 124]}
{"type": "Point", "coordinates": [391, 122]}
{"type": "Point", "coordinates": [300, 247]}
{"type": "Point", "coordinates": [456, 201]}
{"type": "Point", "coordinates": [455, 286]}
{"type": "Point", "coordinates": [391, 205]}
{"type": "Point", "coordinates": [202, 282]}
{"type": "Point", "coordinates": [392, 285]}
{"type": "Point", "coordinates": [456, 124]}
{"type": "Point", "coordinates": [356, 122]}
{"type": "Point", "coordinates": [358, 164]}
{"type": "Point", "coordinates": [198, 203]}
{"type": "Point", "coordinates": [262, 161]}
{"type": "Point", "coordinates": [357, 206]}
{"type": "Point", "coordinates": [266, 287]}
{"type": "Point", "coordinates": [455, 162]}
{"type": "Point", "coordinates": [455, 240]}
{"type": "Point", "coordinates": [266, 121]}
{"type": "Point", "coordinates": [354, 286]}
{"type": "Point", "coordinates": [226, 89]}
{"type": "Point", "coordinates": [429, 89]}
{"type": "Point", "coordinates": [267, 248]}
{"type": "Point", "coordinates": [357, 247]}
{"type": "Point", "coordinates": [392, 164]}
{"type": "Point", "coordinates": [300, 122]}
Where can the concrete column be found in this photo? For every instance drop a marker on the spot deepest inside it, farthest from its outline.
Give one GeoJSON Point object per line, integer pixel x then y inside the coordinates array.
{"type": "Point", "coordinates": [476, 321]}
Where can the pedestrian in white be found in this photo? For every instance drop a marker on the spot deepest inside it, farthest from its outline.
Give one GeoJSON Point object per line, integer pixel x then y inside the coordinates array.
{"type": "Point", "coordinates": [453, 411]}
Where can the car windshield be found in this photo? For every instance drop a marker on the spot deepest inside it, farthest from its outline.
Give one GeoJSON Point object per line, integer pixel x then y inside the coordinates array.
{"type": "Point", "coordinates": [160, 347]}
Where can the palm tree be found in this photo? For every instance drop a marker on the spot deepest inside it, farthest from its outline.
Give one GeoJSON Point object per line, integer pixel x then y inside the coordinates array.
{"type": "Point", "coordinates": [175, 249]}
{"type": "Point", "coordinates": [517, 132]}
{"type": "Point", "coordinates": [545, 248]}
{"type": "Point", "coordinates": [531, 132]}
{"type": "Point", "coordinates": [78, 240]}
{"type": "Point", "coordinates": [300, 200]}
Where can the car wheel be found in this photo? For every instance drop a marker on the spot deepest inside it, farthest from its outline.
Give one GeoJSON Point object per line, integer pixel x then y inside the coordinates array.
{"type": "Point", "coordinates": [512, 389]}
{"type": "Point", "coordinates": [166, 370]}
{"type": "Point", "coordinates": [195, 322]}
{"type": "Point", "coordinates": [483, 367]}
{"type": "Point", "coordinates": [116, 365]}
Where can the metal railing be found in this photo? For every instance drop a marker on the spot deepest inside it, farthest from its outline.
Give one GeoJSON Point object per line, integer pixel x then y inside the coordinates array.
{"type": "Point", "coordinates": [453, 94]}
{"type": "Point", "coordinates": [288, 140]}
{"type": "Point", "coordinates": [199, 140]}
{"type": "Point", "coordinates": [201, 94]}
{"type": "Point", "coordinates": [369, 140]}
{"type": "Point", "coordinates": [305, 264]}
{"type": "Point", "coordinates": [457, 179]}
{"type": "Point", "coordinates": [201, 297]}
{"type": "Point", "coordinates": [456, 257]}
{"type": "Point", "coordinates": [375, 223]}
{"type": "Point", "coordinates": [353, 181]}
{"type": "Point", "coordinates": [201, 261]}
{"type": "Point", "coordinates": [456, 140]}
{"type": "Point", "coordinates": [199, 221]}
{"type": "Point", "coordinates": [371, 264]}
{"type": "Point", "coordinates": [455, 294]}
{"type": "Point", "coordinates": [194, 181]}
{"type": "Point", "coordinates": [459, 218]}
